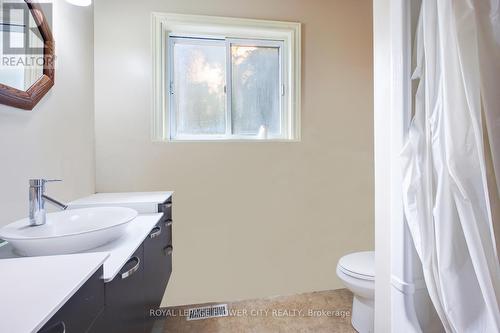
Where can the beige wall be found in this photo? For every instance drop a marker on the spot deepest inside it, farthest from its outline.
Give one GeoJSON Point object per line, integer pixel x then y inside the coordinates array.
{"type": "Point", "coordinates": [56, 139]}
{"type": "Point", "coordinates": [251, 219]}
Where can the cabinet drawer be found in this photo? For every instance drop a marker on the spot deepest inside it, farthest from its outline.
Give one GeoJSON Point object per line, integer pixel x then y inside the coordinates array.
{"type": "Point", "coordinates": [166, 208]}
{"type": "Point", "coordinates": [80, 311]}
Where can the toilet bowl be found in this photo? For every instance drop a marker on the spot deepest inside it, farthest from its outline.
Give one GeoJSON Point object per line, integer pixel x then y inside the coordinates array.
{"type": "Point", "coordinates": [357, 272]}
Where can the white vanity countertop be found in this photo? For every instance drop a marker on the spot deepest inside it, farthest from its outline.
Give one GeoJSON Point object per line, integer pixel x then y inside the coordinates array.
{"type": "Point", "coordinates": [142, 202]}
{"type": "Point", "coordinates": [119, 251]}
{"type": "Point", "coordinates": [32, 289]}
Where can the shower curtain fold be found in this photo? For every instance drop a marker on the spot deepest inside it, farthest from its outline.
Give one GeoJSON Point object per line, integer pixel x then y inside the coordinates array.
{"type": "Point", "coordinates": [445, 189]}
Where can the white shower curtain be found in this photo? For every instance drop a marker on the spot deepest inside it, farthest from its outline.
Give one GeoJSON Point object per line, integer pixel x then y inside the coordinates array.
{"type": "Point", "coordinates": [445, 190]}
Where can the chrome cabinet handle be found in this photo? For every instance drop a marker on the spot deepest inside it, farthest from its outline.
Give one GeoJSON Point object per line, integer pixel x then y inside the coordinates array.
{"type": "Point", "coordinates": [164, 207]}
{"type": "Point", "coordinates": [155, 232]}
{"type": "Point", "coordinates": [133, 269]}
{"type": "Point", "coordinates": [168, 223]}
{"type": "Point", "coordinates": [168, 250]}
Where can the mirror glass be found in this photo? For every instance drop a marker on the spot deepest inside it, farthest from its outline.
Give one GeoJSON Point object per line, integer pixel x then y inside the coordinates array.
{"type": "Point", "coordinates": [21, 46]}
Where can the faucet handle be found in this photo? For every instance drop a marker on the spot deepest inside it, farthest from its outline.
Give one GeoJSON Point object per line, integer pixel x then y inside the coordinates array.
{"type": "Point", "coordinates": [51, 180]}
{"type": "Point", "coordinates": [39, 182]}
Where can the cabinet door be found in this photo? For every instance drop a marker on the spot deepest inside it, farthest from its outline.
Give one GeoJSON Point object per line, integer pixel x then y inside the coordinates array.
{"type": "Point", "coordinates": [78, 313]}
{"type": "Point", "coordinates": [157, 267]}
{"type": "Point", "coordinates": [124, 311]}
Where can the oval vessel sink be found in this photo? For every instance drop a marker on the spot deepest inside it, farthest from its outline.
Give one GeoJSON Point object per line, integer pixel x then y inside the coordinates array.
{"type": "Point", "coordinates": [68, 231]}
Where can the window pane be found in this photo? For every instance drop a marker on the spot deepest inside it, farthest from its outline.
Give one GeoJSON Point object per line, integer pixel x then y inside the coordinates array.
{"type": "Point", "coordinates": [255, 90]}
{"type": "Point", "coordinates": [199, 79]}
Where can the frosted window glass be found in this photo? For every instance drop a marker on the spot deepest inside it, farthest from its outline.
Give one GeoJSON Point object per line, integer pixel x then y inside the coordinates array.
{"type": "Point", "coordinates": [255, 90]}
{"type": "Point", "coordinates": [199, 79]}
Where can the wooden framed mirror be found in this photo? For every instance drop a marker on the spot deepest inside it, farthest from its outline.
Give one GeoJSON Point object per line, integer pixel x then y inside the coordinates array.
{"type": "Point", "coordinates": [27, 50]}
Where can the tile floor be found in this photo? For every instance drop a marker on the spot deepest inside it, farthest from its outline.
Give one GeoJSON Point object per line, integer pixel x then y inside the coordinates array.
{"type": "Point", "coordinates": [324, 311]}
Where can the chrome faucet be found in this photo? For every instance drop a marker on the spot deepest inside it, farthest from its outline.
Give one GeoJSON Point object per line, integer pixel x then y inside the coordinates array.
{"type": "Point", "coordinates": [37, 201]}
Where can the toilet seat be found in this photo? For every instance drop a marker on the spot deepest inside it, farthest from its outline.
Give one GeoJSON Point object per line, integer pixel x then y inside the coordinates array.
{"type": "Point", "coordinates": [359, 265]}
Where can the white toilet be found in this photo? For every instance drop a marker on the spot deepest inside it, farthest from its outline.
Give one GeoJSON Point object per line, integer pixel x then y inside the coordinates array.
{"type": "Point", "coordinates": [357, 272]}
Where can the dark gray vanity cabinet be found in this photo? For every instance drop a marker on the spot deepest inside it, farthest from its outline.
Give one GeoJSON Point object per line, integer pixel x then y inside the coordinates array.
{"type": "Point", "coordinates": [157, 266]}
{"type": "Point", "coordinates": [79, 313]}
{"type": "Point", "coordinates": [140, 285]}
{"type": "Point", "coordinates": [124, 305]}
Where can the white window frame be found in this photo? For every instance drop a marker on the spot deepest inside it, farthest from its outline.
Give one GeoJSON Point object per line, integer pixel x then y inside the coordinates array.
{"type": "Point", "coordinates": [227, 43]}
{"type": "Point", "coordinates": [232, 30]}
